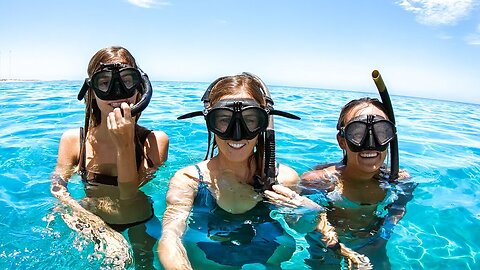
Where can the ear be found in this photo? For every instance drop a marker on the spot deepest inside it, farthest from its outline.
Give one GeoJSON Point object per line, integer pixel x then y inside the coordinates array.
{"type": "Point", "coordinates": [341, 141]}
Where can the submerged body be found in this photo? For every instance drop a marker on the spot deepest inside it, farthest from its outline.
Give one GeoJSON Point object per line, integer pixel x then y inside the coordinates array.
{"type": "Point", "coordinates": [364, 203]}
{"type": "Point", "coordinates": [114, 156]}
{"type": "Point", "coordinates": [363, 221]}
{"type": "Point", "coordinates": [215, 216]}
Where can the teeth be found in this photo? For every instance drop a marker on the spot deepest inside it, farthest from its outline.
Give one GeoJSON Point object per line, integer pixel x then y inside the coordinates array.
{"type": "Point", "coordinates": [115, 104]}
{"type": "Point", "coordinates": [368, 155]}
{"type": "Point", "coordinates": [236, 145]}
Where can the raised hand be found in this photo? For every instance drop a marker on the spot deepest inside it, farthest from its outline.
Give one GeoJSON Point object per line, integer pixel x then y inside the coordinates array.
{"type": "Point", "coordinates": [121, 128]}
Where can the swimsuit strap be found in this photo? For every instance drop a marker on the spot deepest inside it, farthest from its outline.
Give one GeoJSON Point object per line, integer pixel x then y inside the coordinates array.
{"type": "Point", "coordinates": [83, 156]}
{"type": "Point", "coordinates": [200, 173]}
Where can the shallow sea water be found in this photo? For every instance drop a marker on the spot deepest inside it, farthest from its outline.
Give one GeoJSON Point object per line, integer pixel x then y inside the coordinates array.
{"type": "Point", "coordinates": [439, 146]}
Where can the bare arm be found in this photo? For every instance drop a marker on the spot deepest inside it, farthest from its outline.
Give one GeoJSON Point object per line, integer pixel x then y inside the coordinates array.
{"type": "Point", "coordinates": [180, 196]}
{"type": "Point", "coordinates": [156, 149]}
{"type": "Point", "coordinates": [68, 154]}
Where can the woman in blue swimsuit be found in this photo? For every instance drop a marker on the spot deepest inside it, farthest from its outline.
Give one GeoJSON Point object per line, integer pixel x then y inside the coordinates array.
{"type": "Point", "coordinates": [216, 217]}
{"type": "Point", "coordinates": [114, 157]}
{"type": "Point", "coordinates": [364, 203]}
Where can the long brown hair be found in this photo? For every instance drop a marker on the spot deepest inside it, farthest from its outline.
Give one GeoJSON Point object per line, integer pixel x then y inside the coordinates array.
{"type": "Point", "coordinates": [238, 84]}
{"type": "Point", "coordinates": [357, 104]}
{"type": "Point", "coordinates": [92, 111]}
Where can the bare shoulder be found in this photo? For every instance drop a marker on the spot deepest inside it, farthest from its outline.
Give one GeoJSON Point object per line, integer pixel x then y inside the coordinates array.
{"type": "Point", "coordinates": [71, 135]}
{"type": "Point", "coordinates": [287, 176]}
{"type": "Point", "coordinates": [159, 136]}
{"type": "Point", "coordinates": [157, 146]}
{"type": "Point", "coordinates": [70, 142]}
{"type": "Point", "coordinates": [69, 149]}
{"type": "Point", "coordinates": [186, 177]}
{"type": "Point", "coordinates": [321, 178]}
{"type": "Point", "coordinates": [320, 172]}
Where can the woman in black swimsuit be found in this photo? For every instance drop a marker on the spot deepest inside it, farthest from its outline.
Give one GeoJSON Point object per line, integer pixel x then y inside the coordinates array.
{"type": "Point", "coordinates": [113, 154]}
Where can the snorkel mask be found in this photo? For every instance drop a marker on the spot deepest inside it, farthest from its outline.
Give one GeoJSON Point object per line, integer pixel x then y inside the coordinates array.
{"type": "Point", "coordinates": [119, 81]}
{"type": "Point", "coordinates": [243, 119]}
{"type": "Point", "coordinates": [368, 132]}
{"type": "Point", "coordinates": [237, 119]}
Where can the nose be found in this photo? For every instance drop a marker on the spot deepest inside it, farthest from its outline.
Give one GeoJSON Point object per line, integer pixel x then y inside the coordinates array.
{"type": "Point", "coordinates": [237, 131]}
{"type": "Point", "coordinates": [370, 142]}
{"type": "Point", "coordinates": [117, 88]}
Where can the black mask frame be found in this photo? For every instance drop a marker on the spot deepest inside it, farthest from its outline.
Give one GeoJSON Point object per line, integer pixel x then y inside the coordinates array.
{"type": "Point", "coordinates": [368, 132]}
{"type": "Point", "coordinates": [237, 119]}
{"type": "Point", "coordinates": [119, 88]}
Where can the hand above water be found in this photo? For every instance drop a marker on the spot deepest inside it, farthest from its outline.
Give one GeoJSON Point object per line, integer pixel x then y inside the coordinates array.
{"type": "Point", "coordinates": [121, 128]}
{"type": "Point", "coordinates": [284, 196]}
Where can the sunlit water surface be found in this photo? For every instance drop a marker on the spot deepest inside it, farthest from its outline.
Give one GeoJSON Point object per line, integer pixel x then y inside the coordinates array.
{"type": "Point", "coordinates": [439, 146]}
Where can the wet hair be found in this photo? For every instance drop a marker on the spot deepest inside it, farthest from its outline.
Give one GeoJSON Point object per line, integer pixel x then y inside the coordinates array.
{"type": "Point", "coordinates": [105, 55]}
{"type": "Point", "coordinates": [358, 104]}
{"type": "Point", "coordinates": [234, 85]}
{"type": "Point", "coordinates": [93, 116]}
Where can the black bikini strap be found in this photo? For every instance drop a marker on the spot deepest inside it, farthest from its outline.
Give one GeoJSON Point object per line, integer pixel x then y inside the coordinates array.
{"type": "Point", "coordinates": [82, 155]}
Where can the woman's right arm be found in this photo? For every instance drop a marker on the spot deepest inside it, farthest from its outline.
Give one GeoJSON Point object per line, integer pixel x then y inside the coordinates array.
{"type": "Point", "coordinates": [68, 156]}
{"type": "Point", "coordinates": [180, 196]}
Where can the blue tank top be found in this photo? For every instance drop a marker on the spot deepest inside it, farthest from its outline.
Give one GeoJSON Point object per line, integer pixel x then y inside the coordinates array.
{"type": "Point", "coordinates": [231, 239]}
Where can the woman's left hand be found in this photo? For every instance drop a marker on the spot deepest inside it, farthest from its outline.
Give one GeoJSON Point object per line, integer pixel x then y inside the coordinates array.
{"type": "Point", "coordinates": [284, 196]}
{"type": "Point", "coordinates": [121, 128]}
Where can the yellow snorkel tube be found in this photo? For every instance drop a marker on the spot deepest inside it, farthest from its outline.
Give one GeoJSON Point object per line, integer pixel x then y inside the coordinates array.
{"type": "Point", "coordinates": [382, 90]}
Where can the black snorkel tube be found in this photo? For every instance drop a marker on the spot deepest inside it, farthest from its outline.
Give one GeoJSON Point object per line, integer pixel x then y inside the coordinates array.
{"type": "Point", "coordinates": [140, 105]}
{"type": "Point", "coordinates": [270, 176]}
{"type": "Point", "coordinates": [146, 96]}
{"type": "Point", "coordinates": [382, 90]}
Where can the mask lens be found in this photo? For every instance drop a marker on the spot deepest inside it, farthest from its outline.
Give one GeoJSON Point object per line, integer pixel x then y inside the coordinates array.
{"type": "Point", "coordinates": [384, 131]}
{"type": "Point", "coordinates": [220, 119]}
{"type": "Point", "coordinates": [355, 132]}
{"type": "Point", "coordinates": [254, 119]}
{"type": "Point", "coordinates": [101, 80]}
{"type": "Point", "coordinates": [130, 77]}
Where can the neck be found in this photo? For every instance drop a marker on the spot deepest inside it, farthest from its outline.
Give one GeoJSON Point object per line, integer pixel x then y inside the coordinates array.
{"type": "Point", "coordinates": [350, 173]}
{"type": "Point", "coordinates": [240, 169]}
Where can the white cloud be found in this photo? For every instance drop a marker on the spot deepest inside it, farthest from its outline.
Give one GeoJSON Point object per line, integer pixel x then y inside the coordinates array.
{"type": "Point", "coordinates": [438, 12]}
{"type": "Point", "coordinates": [148, 3]}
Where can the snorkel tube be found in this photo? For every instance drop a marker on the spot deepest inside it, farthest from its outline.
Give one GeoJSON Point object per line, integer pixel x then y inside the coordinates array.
{"type": "Point", "coordinates": [269, 159]}
{"type": "Point", "coordinates": [382, 90]}
{"type": "Point", "coordinates": [146, 96]}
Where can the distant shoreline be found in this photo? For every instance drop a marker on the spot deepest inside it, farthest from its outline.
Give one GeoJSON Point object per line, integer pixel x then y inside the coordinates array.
{"type": "Point", "coordinates": [19, 80]}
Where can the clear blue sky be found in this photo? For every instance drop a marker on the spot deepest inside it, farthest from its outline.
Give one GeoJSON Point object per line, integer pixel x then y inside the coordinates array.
{"type": "Point", "coordinates": [423, 48]}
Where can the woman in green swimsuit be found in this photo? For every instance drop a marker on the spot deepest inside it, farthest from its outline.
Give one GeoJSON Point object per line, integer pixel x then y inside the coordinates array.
{"type": "Point", "coordinates": [114, 157]}
{"type": "Point", "coordinates": [363, 202]}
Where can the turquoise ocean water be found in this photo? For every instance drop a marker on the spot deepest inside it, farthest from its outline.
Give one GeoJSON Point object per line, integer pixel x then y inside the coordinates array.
{"type": "Point", "coordinates": [439, 146]}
